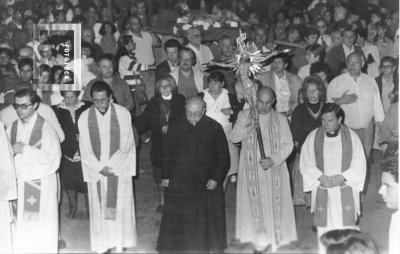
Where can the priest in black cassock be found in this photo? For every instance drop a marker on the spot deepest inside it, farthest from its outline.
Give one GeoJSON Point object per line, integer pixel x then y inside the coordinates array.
{"type": "Point", "coordinates": [195, 163]}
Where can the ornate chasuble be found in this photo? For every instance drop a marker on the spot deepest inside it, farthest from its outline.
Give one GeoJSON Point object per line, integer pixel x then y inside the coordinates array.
{"type": "Point", "coordinates": [32, 189]}
{"type": "Point", "coordinates": [321, 200]}
{"type": "Point", "coordinates": [112, 181]}
{"type": "Point", "coordinates": [252, 172]}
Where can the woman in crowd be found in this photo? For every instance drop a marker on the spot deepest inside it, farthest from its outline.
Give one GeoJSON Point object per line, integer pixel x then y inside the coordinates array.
{"type": "Point", "coordinates": [108, 43]}
{"type": "Point", "coordinates": [165, 107]}
{"type": "Point", "coordinates": [223, 107]}
{"type": "Point", "coordinates": [306, 117]}
{"type": "Point", "coordinates": [71, 177]}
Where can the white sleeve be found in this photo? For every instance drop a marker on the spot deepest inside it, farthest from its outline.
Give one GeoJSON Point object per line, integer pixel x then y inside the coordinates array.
{"type": "Point", "coordinates": [308, 166]}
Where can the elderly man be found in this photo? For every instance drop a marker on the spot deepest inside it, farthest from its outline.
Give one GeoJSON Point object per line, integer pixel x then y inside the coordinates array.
{"type": "Point", "coordinates": [265, 213]}
{"type": "Point", "coordinates": [202, 52]}
{"type": "Point", "coordinates": [195, 163]}
{"type": "Point", "coordinates": [37, 155]}
{"type": "Point", "coordinates": [108, 156]}
{"type": "Point", "coordinates": [190, 81]}
{"type": "Point", "coordinates": [336, 56]}
{"type": "Point", "coordinates": [8, 191]}
{"type": "Point", "coordinates": [333, 166]}
{"type": "Point", "coordinates": [285, 84]}
{"type": "Point", "coordinates": [358, 95]}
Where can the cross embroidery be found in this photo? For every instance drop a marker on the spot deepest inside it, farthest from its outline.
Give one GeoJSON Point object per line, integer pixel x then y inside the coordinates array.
{"type": "Point", "coordinates": [31, 200]}
{"type": "Point", "coordinates": [320, 209]}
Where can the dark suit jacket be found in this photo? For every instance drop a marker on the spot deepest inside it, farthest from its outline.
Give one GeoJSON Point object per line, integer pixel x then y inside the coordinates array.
{"type": "Point", "coordinates": [395, 82]}
{"type": "Point", "coordinates": [336, 59]}
{"type": "Point", "coordinates": [162, 68]}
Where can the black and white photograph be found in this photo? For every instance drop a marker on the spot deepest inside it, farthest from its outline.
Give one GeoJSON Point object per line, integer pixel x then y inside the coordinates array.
{"type": "Point", "coordinates": [199, 126]}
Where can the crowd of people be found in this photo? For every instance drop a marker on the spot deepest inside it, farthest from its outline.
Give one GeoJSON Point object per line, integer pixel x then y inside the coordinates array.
{"type": "Point", "coordinates": [322, 107]}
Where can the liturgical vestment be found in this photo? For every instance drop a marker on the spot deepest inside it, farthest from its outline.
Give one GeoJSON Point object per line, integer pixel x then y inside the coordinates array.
{"type": "Point", "coordinates": [36, 167]}
{"type": "Point", "coordinates": [194, 218]}
{"type": "Point", "coordinates": [341, 205]}
{"type": "Point", "coordinates": [264, 206]}
{"type": "Point", "coordinates": [8, 191]}
{"type": "Point", "coordinates": [107, 140]}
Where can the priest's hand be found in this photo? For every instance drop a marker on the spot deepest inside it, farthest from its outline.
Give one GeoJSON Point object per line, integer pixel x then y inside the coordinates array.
{"type": "Point", "coordinates": [107, 171]}
{"type": "Point", "coordinates": [266, 163]}
{"type": "Point", "coordinates": [164, 183]}
{"type": "Point", "coordinates": [325, 181]}
{"type": "Point", "coordinates": [18, 148]}
{"type": "Point", "coordinates": [211, 184]}
{"type": "Point", "coordinates": [337, 180]}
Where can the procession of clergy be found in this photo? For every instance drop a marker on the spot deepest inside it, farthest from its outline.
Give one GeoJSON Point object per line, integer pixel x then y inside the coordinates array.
{"type": "Point", "coordinates": [196, 160]}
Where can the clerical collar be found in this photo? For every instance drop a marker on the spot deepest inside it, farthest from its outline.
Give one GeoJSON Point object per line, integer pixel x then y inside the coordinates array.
{"type": "Point", "coordinates": [105, 112]}
{"type": "Point", "coordinates": [333, 134]}
{"type": "Point", "coordinates": [167, 98]}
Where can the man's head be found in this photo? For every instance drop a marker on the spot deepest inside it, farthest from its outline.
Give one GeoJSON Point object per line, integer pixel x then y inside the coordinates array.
{"type": "Point", "coordinates": [172, 48]}
{"type": "Point", "coordinates": [315, 53]}
{"type": "Point", "coordinates": [187, 59]}
{"type": "Point", "coordinates": [26, 103]}
{"type": "Point", "coordinates": [44, 74]}
{"type": "Point", "coordinates": [260, 35]}
{"type": "Point", "coordinates": [354, 63]}
{"type": "Point", "coordinates": [106, 66]}
{"type": "Point", "coordinates": [279, 63]}
{"type": "Point", "coordinates": [311, 36]}
{"type": "Point", "coordinates": [215, 82]}
{"type": "Point", "coordinates": [321, 25]}
{"type": "Point", "coordinates": [70, 97]}
{"type": "Point", "coordinates": [361, 35]}
{"type": "Point", "coordinates": [194, 36]}
{"type": "Point", "coordinates": [25, 52]}
{"type": "Point", "coordinates": [195, 109]}
{"type": "Point", "coordinates": [25, 67]}
{"type": "Point", "coordinates": [321, 69]}
{"type": "Point", "coordinates": [88, 35]}
{"type": "Point", "coordinates": [133, 24]}
{"type": "Point", "coordinates": [314, 89]}
{"type": "Point", "coordinates": [101, 94]}
{"type": "Point", "coordinates": [387, 66]}
{"type": "Point", "coordinates": [349, 38]}
{"type": "Point", "coordinates": [5, 56]}
{"type": "Point", "coordinates": [226, 46]}
{"type": "Point", "coordinates": [332, 116]}
{"type": "Point", "coordinates": [265, 100]}
{"type": "Point", "coordinates": [337, 38]}
{"type": "Point", "coordinates": [390, 188]}
{"type": "Point", "coordinates": [87, 54]}
{"type": "Point", "coordinates": [292, 33]}
{"type": "Point", "coordinates": [340, 13]}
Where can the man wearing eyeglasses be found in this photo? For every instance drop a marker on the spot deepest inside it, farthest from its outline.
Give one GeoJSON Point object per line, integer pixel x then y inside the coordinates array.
{"type": "Point", "coordinates": [195, 163]}
{"type": "Point", "coordinates": [108, 156]}
{"type": "Point", "coordinates": [37, 154]}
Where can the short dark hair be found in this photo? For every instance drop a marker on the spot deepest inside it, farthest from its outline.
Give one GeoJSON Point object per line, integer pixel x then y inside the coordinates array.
{"type": "Point", "coordinates": [44, 68]}
{"type": "Point", "coordinates": [333, 107]}
{"type": "Point", "coordinates": [283, 56]}
{"type": "Point", "coordinates": [361, 32]}
{"type": "Point", "coordinates": [75, 92]}
{"type": "Point", "coordinates": [101, 86]}
{"type": "Point", "coordinates": [33, 97]}
{"type": "Point", "coordinates": [172, 43]}
{"type": "Point", "coordinates": [311, 31]}
{"type": "Point", "coordinates": [110, 57]}
{"type": "Point", "coordinates": [25, 61]}
{"type": "Point", "coordinates": [317, 50]}
{"type": "Point", "coordinates": [318, 67]}
{"type": "Point", "coordinates": [102, 30]}
{"type": "Point", "coordinates": [87, 45]}
{"type": "Point", "coordinates": [216, 76]}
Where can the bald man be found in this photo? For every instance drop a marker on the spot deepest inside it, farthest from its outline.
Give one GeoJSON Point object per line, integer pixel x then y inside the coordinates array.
{"type": "Point", "coordinates": [195, 163]}
{"type": "Point", "coordinates": [264, 207]}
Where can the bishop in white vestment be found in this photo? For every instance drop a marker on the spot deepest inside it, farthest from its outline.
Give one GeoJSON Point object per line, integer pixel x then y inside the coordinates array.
{"type": "Point", "coordinates": [8, 192]}
{"type": "Point", "coordinates": [107, 144]}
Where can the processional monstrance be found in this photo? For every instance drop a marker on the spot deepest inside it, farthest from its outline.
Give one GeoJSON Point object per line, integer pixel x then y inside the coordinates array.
{"type": "Point", "coordinates": [247, 61]}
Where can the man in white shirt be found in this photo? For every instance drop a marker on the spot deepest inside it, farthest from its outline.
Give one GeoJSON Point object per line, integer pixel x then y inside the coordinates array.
{"type": "Point", "coordinates": [145, 41]}
{"type": "Point", "coordinates": [358, 95]}
{"type": "Point", "coordinates": [203, 52]}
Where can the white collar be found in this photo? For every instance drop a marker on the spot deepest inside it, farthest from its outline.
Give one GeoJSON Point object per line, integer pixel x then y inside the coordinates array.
{"type": "Point", "coordinates": [167, 98]}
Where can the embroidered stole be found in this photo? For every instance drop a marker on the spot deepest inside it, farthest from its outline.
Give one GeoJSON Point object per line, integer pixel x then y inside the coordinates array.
{"type": "Point", "coordinates": [32, 189]}
{"type": "Point", "coordinates": [252, 175]}
{"type": "Point", "coordinates": [112, 181]}
{"type": "Point", "coordinates": [321, 200]}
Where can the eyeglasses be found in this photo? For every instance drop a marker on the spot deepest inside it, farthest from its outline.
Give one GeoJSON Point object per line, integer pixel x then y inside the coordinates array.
{"type": "Point", "coordinates": [387, 66]}
{"type": "Point", "coordinates": [22, 106]}
{"type": "Point", "coordinates": [100, 101]}
{"type": "Point", "coordinates": [194, 114]}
